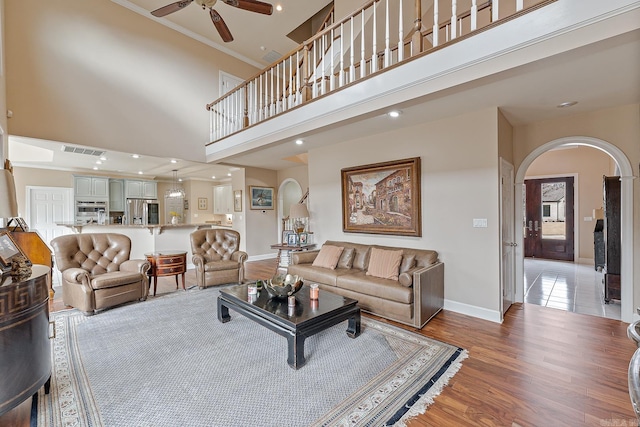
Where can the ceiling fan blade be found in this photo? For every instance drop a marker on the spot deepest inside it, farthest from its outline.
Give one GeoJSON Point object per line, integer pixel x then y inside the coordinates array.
{"type": "Point", "coordinates": [251, 6]}
{"type": "Point", "coordinates": [170, 8]}
{"type": "Point", "coordinates": [221, 26]}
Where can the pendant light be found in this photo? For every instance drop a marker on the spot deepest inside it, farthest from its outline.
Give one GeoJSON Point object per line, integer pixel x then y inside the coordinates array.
{"type": "Point", "coordinates": [175, 191]}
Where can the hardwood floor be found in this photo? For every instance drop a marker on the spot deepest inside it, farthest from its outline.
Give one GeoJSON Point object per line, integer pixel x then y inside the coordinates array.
{"type": "Point", "coordinates": [541, 367]}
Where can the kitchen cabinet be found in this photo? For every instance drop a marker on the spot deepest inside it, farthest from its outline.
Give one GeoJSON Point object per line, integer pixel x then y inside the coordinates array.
{"type": "Point", "coordinates": [116, 195]}
{"type": "Point", "coordinates": [141, 189]}
{"type": "Point", "coordinates": [91, 187]}
{"type": "Point", "coordinates": [222, 199]}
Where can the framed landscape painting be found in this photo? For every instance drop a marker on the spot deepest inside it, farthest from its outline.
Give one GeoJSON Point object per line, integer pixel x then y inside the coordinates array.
{"type": "Point", "coordinates": [382, 198]}
{"type": "Point", "coordinates": [261, 197]}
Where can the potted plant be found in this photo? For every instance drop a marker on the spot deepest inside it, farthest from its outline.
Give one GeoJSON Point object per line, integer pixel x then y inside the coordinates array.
{"type": "Point", "coordinates": [175, 217]}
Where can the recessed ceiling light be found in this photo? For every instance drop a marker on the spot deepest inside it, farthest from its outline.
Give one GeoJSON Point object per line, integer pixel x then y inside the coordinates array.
{"type": "Point", "coordinates": [103, 158]}
{"type": "Point", "coordinates": [213, 177]}
{"type": "Point", "coordinates": [299, 141]}
{"type": "Point", "coordinates": [394, 114]}
{"type": "Point", "coordinates": [98, 162]}
{"type": "Point", "coordinates": [279, 7]}
{"type": "Point", "coordinates": [174, 161]}
{"type": "Point", "coordinates": [135, 156]}
{"type": "Point", "coordinates": [95, 168]}
{"type": "Point", "coordinates": [228, 174]}
{"type": "Point", "coordinates": [179, 179]}
{"type": "Point", "coordinates": [139, 172]}
{"type": "Point", "coordinates": [567, 104]}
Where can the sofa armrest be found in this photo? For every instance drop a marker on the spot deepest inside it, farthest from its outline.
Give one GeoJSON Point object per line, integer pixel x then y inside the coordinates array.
{"type": "Point", "coordinates": [138, 265]}
{"type": "Point", "coordinates": [198, 261]}
{"type": "Point", "coordinates": [428, 292]}
{"type": "Point", "coordinates": [304, 257]}
{"type": "Point", "coordinates": [239, 256]}
{"type": "Point", "coordinates": [76, 275]}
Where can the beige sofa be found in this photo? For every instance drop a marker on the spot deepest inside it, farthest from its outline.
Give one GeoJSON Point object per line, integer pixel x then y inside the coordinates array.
{"type": "Point", "coordinates": [413, 299]}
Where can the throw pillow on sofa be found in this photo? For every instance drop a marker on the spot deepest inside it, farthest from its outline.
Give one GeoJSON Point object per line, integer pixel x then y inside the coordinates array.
{"type": "Point", "coordinates": [384, 264]}
{"type": "Point", "coordinates": [328, 257]}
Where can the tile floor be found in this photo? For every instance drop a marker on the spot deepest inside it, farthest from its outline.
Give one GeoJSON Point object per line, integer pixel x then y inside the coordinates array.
{"type": "Point", "coordinates": [567, 286]}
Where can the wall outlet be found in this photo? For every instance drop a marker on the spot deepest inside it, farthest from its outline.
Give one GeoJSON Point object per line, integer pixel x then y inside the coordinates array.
{"type": "Point", "coordinates": [480, 223]}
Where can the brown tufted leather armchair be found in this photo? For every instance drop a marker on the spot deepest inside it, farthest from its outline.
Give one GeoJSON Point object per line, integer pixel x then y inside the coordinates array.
{"type": "Point", "coordinates": [97, 272]}
{"type": "Point", "coordinates": [217, 257]}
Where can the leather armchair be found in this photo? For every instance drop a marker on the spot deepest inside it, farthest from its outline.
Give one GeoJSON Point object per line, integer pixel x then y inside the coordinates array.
{"type": "Point", "coordinates": [216, 257]}
{"type": "Point", "coordinates": [97, 272]}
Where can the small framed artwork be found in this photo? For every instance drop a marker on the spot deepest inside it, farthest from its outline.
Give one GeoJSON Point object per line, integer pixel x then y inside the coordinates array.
{"type": "Point", "coordinates": [186, 204]}
{"type": "Point", "coordinates": [285, 236]}
{"type": "Point", "coordinates": [261, 198]}
{"type": "Point", "coordinates": [202, 203]}
{"type": "Point", "coordinates": [9, 249]}
{"type": "Point", "coordinates": [304, 238]}
{"type": "Point", "coordinates": [292, 239]}
{"type": "Point", "coordinates": [237, 201]}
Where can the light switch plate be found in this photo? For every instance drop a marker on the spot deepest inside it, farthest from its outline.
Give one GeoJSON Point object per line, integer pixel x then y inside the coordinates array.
{"type": "Point", "coordinates": [480, 223]}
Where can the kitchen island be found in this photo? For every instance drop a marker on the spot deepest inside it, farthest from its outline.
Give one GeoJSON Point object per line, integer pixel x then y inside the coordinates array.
{"type": "Point", "coordinates": [149, 238]}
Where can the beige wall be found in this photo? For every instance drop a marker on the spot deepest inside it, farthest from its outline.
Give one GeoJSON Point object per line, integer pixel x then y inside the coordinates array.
{"type": "Point", "coordinates": [95, 73]}
{"type": "Point", "coordinates": [589, 166]}
{"type": "Point", "coordinates": [261, 225]}
{"type": "Point", "coordinates": [39, 178]}
{"type": "Point", "coordinates": [3, 91]}
{"type": "Point", "coordinates": [459, 182]}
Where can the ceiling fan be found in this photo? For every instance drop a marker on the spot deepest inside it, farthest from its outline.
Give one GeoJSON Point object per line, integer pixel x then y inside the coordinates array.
{"type": "Point", "coordinates": [218, 22]}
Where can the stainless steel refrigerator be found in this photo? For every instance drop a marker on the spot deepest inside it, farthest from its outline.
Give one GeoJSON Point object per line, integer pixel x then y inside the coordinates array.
{"type": "Point", "coordinates": [142, 212]}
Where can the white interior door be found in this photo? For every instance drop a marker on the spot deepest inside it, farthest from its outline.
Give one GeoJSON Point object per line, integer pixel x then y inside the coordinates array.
{"type": "Point", "coordinates": [47, 206]}
{"type": "Point", "coordinates": [507, 235]}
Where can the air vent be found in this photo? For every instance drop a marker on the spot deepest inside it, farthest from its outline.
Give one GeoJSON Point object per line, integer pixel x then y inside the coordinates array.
{"type": "Point", "coordinates": [272, 56]}
{"type": "Point", "coordinates": [80, 150]}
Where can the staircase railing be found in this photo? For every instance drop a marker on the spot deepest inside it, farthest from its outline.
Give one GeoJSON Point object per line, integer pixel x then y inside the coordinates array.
{"type": "Point", "coordinates": [364, 43]}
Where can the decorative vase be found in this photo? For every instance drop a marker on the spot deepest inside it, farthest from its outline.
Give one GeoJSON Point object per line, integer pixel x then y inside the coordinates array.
{"type": "Point", "coordinates": [174, 220]}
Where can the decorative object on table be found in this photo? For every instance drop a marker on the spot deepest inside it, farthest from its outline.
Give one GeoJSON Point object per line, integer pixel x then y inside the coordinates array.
{"type": "Point", "coordinates": [237, 201]}
{"type": "Point", "coordinates": [202, 203]}
{"type": "Point", "coordinates": [10, 251]}
{"type": "Point", "coordinates": [20, 267]}
{"type": "Point", "coordinates": [261, 198]}
{"type": "Point", "coordinates": [175, 217]}
{"type": "Point", "coordinates": [285, 236]}
{"type": "Point", "coordinates": [283, 285]}
{"type": "Point", "coordinates": [299, 213]}
{"type": "Point", "coordinates": [314, 292]}
{"type": "Point", "coordinates": [292, 239]}
{"type": "Point", "coordinates": [382, 198]}
{"type": "Point", "coordinates": [303, 238]}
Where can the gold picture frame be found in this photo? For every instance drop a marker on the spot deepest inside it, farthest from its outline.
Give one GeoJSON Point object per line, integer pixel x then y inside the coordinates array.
{"type": "Point", "coordinates": [382, 198]}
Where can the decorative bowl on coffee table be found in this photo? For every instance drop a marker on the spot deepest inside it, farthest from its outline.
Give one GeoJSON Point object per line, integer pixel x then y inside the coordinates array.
{"type": "Point", "coordinates": [283, 285]}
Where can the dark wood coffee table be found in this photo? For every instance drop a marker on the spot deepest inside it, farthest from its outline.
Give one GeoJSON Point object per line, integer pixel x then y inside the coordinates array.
{"type": "Point", "coordinates": [296, 324]}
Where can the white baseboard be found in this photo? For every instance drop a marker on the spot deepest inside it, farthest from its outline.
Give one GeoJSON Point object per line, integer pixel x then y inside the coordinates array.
{"type": "Point", "coordinates": [261, 257]}
{"type": "Point", "coordinates": [472, 310]}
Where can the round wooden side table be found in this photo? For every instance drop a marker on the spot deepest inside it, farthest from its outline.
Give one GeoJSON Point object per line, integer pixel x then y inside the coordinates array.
{"type": "Point", "coordinates": [167, 263]}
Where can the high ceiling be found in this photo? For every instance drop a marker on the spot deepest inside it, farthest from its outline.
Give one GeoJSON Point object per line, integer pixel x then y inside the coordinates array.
{"type": "Point", "coordinates": [598, 76]}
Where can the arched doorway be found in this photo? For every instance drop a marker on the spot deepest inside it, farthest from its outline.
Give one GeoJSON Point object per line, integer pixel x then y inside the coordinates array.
{"type": "Point", "coordinates": [289, 193]}
{"type": "Point", "coordinates": [626, 215]}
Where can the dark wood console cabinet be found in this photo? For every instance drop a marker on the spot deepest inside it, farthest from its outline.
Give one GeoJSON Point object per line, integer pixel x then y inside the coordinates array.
{"type": "Point", "coordinates": [25, 349]}
{"type": "Point", "coordinates": [612, 238]}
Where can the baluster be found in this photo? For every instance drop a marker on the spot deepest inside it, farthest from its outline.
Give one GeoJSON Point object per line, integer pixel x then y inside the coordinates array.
{"type": "Point", "coordinates": [277, 107]}
{"type": "Point", "coordinates": [272, 99]}
{"type": "Point", "coordinates": [495, 10]}
{"type": "Point", "coordinates": [387, 43]}
{"type": "Point", "coordinates": [400, 35]}
{"type": "Point", "coordinates": [341, 78]}
{"type": "Point", "coordinates": [436, 30]}
{"type": "Point", "coordinates": [331, 72]}
{"type": "Point", "coordinates": [323, 58]}
{"type": "Point", "coordinates": [374, 54]}
{"type": "Point", "coordinates": [314, 76]}
{"type": "Point", "coordinates": [352, 65]}
{"type": "Point", "coordinates": [363, 60]}
{"type": "Point", "coordinates": [454, 19]}
{"type": "Point", "coordinates": [291, 85]}
{"type": "Point", "coordinates": [474, 14]}
{"type": "Point", "coordinates": [519, 5]}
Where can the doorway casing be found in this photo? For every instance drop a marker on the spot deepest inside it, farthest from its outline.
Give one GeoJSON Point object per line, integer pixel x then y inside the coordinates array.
{"type": "Point", "coordinates": [626, 215]}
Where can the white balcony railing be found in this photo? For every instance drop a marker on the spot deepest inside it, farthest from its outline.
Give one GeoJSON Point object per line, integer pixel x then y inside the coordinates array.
{"type": "Point", "coordinates": [380, 35]}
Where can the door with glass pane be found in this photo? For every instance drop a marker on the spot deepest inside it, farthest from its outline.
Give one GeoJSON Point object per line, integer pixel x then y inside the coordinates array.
{"type": "Point", "coordinates": [548, 223]}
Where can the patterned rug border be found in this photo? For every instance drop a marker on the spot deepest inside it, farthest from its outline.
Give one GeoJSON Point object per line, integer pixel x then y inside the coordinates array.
{"type": "Point", "coordinates": [373, 403]}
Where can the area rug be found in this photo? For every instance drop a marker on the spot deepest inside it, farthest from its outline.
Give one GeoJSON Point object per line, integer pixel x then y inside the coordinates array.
{"type": "Point", "coordinates": [168, 361]}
